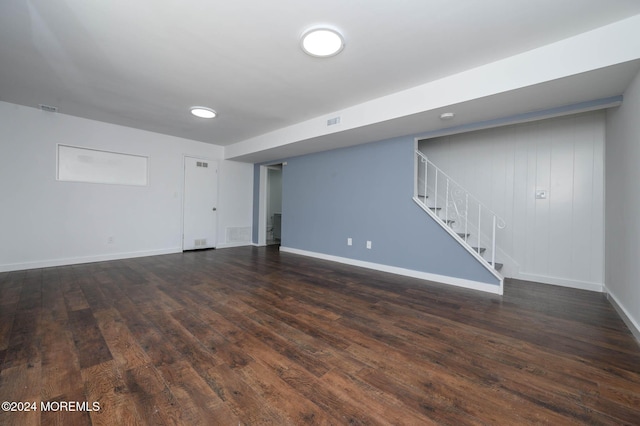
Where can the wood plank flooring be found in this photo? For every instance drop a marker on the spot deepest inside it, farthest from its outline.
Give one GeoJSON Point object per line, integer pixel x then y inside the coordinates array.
{"type": "Point", "coordinates": [253, 336]}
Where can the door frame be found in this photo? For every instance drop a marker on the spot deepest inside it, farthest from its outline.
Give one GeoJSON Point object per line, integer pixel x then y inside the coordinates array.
{"type": "Point", "coordinates": [184, 183]}
{"type": "Point", "coordinates": [262, 200]}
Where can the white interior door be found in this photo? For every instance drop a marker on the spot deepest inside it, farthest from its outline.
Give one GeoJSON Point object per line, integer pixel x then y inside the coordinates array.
{"type": "Point", "coordinates": [200, 203]}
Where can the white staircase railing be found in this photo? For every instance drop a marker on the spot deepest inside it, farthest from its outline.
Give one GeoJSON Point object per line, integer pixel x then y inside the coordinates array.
{"type": "Point", "coordinates": [456, 208]}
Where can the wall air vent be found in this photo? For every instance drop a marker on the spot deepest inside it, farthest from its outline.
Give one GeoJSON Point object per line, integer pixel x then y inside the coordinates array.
{"type": "Point", "coordinates": [333, 121]}
{"type": "Point", "coordinates": [239, 234]}
{"type": "Point", "coordinates": [201, 242]}
{"type": "Point", "coordinates": [48, 108]}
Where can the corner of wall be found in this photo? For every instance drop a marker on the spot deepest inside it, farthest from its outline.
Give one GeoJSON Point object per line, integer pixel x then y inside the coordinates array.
{"type": "Point", "coordinates": [633, 326]}
{"type": "Point", "coordinates": [622, 155]}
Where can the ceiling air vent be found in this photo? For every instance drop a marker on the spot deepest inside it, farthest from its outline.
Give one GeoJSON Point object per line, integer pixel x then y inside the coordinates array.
{"type": "Point", "coordinates": [48, 108]}
{"type": "Point", "coordinates": [333, 121]}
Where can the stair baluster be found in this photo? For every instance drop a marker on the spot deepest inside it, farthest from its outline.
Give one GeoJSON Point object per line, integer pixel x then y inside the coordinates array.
{"type": "Point", "coordinates": [457, 209]}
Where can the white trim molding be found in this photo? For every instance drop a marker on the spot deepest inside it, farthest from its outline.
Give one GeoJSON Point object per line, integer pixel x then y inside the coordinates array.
{"type": "Point", "coordinates": [88, 259]}
{"type": "Point", "coordinates": [631, 323]}
{"type": "Point", "coordinates": [563, 282]}
{"type": "Point", "coordinates": [442, 279]}
{"type": "Point", "coordinates": [486, 264]}
{"type": "Point", "coordinates": [231, 245]}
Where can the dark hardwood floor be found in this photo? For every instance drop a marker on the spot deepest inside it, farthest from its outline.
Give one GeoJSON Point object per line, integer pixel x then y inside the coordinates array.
{"type": "Point", "coordinates": [253, 336]}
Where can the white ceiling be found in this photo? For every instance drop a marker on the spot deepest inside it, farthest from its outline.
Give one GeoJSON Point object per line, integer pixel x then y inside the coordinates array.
{"type": "Point", "coordinates": [143, 63]}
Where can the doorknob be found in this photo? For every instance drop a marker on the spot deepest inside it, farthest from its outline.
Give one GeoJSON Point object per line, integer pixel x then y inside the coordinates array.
{"type": "Point", "coordinates": [214, 209]}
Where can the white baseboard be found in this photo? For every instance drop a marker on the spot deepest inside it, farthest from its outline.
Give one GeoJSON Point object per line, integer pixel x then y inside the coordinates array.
{"type": "Point", "coordinates": [564, 282]}
{"type": "Point", "coordinates": [459, 282]}
{"type": "Point", "coordinates": [230, 245]}
{"type": "Point", "coordinates": [87, 259]}
{"type": "Point", "coordinates": [631, 323]}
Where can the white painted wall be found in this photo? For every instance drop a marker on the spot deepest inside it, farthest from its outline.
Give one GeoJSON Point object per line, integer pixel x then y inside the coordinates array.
{"type": "Point", "coordinates": [559, 240]}
{"type": "Point", "coordinates": [44, 222]}
{"type": "Point", "coordinates": [235, 202]}
{"type": "Point", "coordinates": [622, 246]}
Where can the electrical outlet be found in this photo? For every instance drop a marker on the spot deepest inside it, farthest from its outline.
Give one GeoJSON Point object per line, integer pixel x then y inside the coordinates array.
{"type": "Point", "coordinates": [368, 244]}
{"type": "Point", "coordinates": [349, 241]}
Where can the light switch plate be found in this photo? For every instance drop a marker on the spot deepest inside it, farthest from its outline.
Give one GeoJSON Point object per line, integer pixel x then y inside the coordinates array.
{"type": "Point", "coordinates": [541, 194]}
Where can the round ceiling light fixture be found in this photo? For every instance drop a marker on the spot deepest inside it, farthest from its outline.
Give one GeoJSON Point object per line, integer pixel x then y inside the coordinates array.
{"type": "Point", "coordinates": [203, 112]}
{"type": "Point", "coordinates": [322, 42]}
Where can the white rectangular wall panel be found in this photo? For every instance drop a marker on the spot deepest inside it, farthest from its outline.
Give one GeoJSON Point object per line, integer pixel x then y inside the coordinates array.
{"type": "Point", "coordinates": [77, 164]}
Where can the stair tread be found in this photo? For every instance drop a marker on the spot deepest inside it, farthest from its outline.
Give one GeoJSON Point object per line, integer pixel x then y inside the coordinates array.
{"type": "Point", "coordinates": [498, 266]}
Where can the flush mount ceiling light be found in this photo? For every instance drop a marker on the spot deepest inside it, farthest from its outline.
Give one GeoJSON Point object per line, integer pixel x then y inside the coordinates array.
{"type": "Point", "coordinates": [203, 112]}
{"type": "Point", "coordinates": [447, 116]}
{"type": "Point", "coordinates": [322, 42]}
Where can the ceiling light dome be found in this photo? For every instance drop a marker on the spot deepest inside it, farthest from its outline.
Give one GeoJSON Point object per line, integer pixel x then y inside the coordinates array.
{"type": "Point", "coordinates": [322, 42]}
{"type": "Point", "coordinates": [203, 112]}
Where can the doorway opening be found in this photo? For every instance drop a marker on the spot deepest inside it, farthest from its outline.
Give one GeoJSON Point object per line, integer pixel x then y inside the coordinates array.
{"type": "Point", "coordinates": [273, 219]}
{"type": "Point", "coordinates": [270, 224]}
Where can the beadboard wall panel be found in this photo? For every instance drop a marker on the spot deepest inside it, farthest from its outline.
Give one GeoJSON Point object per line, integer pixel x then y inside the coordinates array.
{"type": "Point", "coordinates": [558, 240]}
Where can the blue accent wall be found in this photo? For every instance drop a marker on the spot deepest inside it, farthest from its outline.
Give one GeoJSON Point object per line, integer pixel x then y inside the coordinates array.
{"type": "Point", "coordinates": [365, 192]}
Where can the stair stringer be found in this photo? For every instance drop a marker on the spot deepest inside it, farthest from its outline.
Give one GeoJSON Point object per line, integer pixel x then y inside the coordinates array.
{"type": "Point", "coordinates": [511, 266]}
{"type": "Point", "coordinates": [456, 237]}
